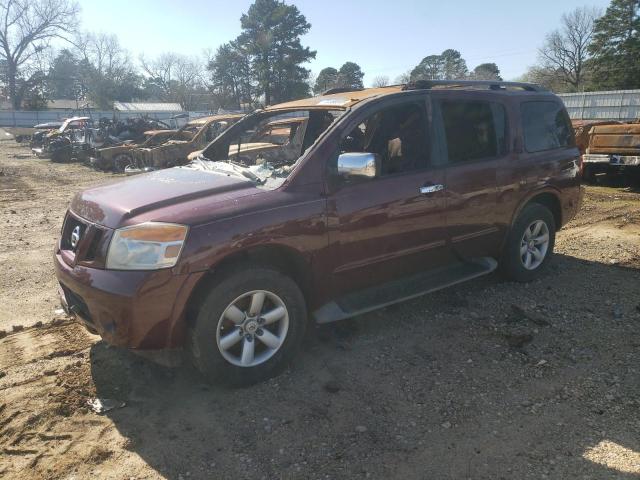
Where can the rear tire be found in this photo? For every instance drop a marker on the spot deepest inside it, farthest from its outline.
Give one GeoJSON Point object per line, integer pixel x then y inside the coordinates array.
{"type": "Point", "coordinates": [248, 327]}
{"type": "Point", "coordinates": [529, 244]}
{"type": "Point", "coordinates": [121, 161]}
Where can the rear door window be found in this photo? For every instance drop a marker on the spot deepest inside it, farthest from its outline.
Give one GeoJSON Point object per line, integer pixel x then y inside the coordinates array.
{"type": "Point", "coordinates": [473, 130]}
{"type": "Point", "coordinates": [546, 126]}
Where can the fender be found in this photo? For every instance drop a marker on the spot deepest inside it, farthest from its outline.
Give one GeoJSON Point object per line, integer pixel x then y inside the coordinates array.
{"type": "Point", "coordinates": [546, 189]}
{"type": "Point", "coordinates": [556, 210]}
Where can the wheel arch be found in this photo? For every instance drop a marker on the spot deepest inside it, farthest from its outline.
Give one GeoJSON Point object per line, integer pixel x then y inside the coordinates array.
{"type": "Point", "coordinates": [548, 198]}
{"type": "Point", "coordinates": [285, 259]}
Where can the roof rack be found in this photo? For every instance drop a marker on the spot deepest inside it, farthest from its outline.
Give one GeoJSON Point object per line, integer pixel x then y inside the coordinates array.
{"type": "Point", "coordinates": [490, 84]}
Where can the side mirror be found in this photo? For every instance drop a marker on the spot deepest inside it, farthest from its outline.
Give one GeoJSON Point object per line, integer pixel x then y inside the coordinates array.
{"type": "Point", "coordinates": [359, 164]}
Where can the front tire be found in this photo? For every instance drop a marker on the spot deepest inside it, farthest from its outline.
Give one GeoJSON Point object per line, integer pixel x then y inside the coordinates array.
{"type": "Point", "coordinates": [529, 244]}
{"type": "Point", "coordinates": [249, 326]}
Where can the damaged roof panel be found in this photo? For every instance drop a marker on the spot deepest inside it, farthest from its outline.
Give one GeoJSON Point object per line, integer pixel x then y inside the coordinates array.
{"type": "Point", "coordinates": [216, 118]}
{"type": "Point", "coordinates": [336, 101]}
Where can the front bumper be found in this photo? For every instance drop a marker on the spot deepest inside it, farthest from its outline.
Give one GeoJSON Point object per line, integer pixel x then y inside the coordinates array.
{"type": "Point", "coordinates": [613, 160]}
{"type": "Point", "coordinates": [142, 310]}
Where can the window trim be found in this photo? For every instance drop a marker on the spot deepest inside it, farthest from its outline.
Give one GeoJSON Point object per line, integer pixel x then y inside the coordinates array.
{"type": "Point", "coordinates": [524, 135]}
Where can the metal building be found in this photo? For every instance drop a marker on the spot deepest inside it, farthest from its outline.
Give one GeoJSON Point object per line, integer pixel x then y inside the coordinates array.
{"type": "Point", "coordinates": [612, 105]}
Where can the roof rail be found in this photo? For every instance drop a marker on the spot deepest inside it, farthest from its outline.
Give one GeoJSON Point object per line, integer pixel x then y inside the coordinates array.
{"type": "Point", "coordinates": [490, 84]}
{"type": "Point", "coordinates": [341, 90]}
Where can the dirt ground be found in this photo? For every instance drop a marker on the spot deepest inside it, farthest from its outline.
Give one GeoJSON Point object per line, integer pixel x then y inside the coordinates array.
{"type": "Point", "coordinates": [487, 380]}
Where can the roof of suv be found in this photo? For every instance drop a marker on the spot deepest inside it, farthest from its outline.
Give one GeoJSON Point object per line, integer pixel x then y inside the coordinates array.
{"type": "Point", "coordinates": [345, 99]}
{"type": "Point", "coordinates": [337, 101]}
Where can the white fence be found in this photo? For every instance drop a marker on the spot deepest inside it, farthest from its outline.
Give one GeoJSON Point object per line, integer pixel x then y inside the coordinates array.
{"type": "Point", "coordinates": [612, 105]}
{"type": "Point", "coordinates": [22, 118]}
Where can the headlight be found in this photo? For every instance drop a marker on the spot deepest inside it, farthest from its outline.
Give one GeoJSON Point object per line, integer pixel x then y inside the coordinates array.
{"type": "Point", "coordinates": [147, 246]}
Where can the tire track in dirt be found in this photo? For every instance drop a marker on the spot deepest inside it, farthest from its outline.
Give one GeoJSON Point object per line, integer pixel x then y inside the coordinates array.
{"type": "Point", "coordinates": [46, 379]}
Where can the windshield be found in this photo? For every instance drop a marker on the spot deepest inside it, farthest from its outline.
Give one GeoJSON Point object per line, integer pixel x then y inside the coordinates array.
{"type": "Point", "coordinates": [267, 149]}
{"type": "Point", "coordinates": [72, 123]}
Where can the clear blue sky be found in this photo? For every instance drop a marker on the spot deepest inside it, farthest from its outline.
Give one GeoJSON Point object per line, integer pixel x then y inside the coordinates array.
{"type": "Point", "coordinates": [384, 37]}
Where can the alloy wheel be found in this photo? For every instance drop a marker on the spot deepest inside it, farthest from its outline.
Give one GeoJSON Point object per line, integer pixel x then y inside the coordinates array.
{"type": "Point", "coordinates": [252, 328]}
{"type": "Point", "coordinates": [534, 244]}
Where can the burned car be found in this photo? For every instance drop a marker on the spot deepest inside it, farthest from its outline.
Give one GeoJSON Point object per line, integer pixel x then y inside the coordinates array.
{"type": "Point", "coordinates": [21, 134]}
{"type": "Point", "coordinates": [117, 158]}
{"type": "Point", "coordinates": [175, 151]}
{"type": "Point", "coordinates": [59, 144]}
{"type": "Point", "coordinates": [268, 139]}
{"type": "Point", "coordinates": [41, 131]}
{"type": "Point", "coordinates": [613, 149]}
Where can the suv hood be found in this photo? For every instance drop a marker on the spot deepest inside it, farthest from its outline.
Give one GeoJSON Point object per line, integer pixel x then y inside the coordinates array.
{"type": "Point", "coordinates": [167, 190]}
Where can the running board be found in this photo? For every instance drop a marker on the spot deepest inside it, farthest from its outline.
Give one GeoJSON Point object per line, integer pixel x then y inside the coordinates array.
{"type": "Point", "coordinates": [373, 298]}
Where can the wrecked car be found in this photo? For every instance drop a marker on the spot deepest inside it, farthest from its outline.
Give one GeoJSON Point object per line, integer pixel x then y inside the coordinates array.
{"type": "Point", "coordinates": [582, 131]}
{"type": "Point", "coordinates": [78, 138]}
{"type": "Point", "coordinates": [57, 144]}
{"type": "Point", "coordinates": [40, 132]}
{"type": "Point", "coordinates": [20, 134]}
{"type": "Point", "coordinates": [613, 149]}
{"type": "Point", "coordinates": [132, 130]}
{"type": "Point", "coordinates": [117, 158]}
{"type": "Point", "coordinates": [175, 151]}
{"type": "Point", "coordinates": [268, 138]}
{"type": "Point", "coordinates": [380, 196]}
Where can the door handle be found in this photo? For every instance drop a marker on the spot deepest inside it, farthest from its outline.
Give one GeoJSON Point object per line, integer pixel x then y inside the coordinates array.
{"type": "Point", "coordinates": [427, 189]}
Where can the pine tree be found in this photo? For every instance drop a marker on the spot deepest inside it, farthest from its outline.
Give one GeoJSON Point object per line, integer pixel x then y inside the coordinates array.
{"type": "Point", "coordinates": [449, 65]}
{"type": "Point", "coordinates": [616, 47]}
{"type": "Point", "coordinates": [350, 75]}
{"type": "Point", "coordinates": [271, 32]}
{"type": "Point", "coordinates": [327, 78]}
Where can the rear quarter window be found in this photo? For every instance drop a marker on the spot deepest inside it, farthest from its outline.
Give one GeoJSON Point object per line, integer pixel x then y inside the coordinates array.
{"type": "Point", "coordinates": [546, 126]}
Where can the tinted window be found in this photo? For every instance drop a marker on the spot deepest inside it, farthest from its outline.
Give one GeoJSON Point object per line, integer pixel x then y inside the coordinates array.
{"type": "Point", "coordinates": [473, 129]}
{"type": "Point", "coordinates": [397, 133]}
{"type": "Point", "coordinates": [546, 126]}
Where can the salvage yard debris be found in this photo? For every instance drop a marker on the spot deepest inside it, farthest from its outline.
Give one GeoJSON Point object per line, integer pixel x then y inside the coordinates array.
{"type": "Point", "coordinates": [78, 137]}
{"type": "Point", "coordinates": [103, 405]}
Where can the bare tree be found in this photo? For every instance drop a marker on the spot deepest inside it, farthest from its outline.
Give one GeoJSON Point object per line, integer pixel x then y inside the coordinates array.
{"type": "Point", "coordinates": [403, 77]}
{"type": "Point", "coordinates": [380, 81]}
{"type": "Point", "coordinates": [176, 75]}
{"type": "Point", "coordinates": [565, 49]}
{"type": "Point", "coordinates": [105, 54]}
{"type": "Point", "coordinates": [106, 71]}
{"type": "Point", "coordinates": [546, 77]}
{"type": "Point", "coordinates": [26, 28]}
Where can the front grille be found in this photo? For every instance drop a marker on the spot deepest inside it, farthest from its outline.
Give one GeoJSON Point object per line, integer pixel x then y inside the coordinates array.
{"type": "Point", "coordinates": [92, 251]}
{"type": "Point", "coordinates": [70, 224]}
{"type": "Point", "coordinates": [90, 246]}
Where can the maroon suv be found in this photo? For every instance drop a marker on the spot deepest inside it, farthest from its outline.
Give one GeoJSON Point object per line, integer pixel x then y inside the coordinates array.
{"type": "Point", "coordinates": [371, 197]}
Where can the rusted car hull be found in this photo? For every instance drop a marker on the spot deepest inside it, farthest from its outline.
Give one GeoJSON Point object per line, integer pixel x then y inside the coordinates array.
{"type": "Point", "coordinates": [613, 149]}
{"type": "Point", "coordinates": [615, 139]}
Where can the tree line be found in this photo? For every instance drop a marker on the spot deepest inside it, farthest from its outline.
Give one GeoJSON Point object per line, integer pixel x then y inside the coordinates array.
{"type": "Point", "coordinates": [592, 51]}
{"type": "Point", "coordinates": [265, 64]}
